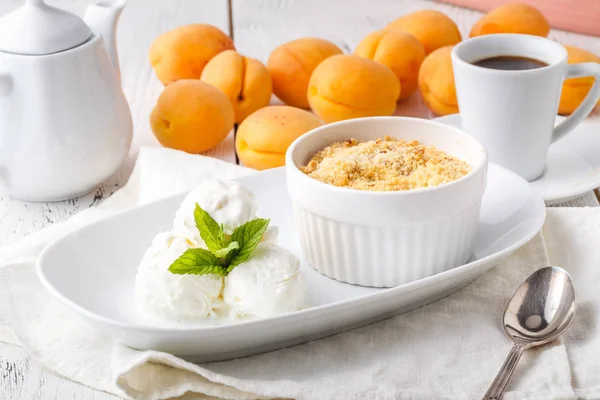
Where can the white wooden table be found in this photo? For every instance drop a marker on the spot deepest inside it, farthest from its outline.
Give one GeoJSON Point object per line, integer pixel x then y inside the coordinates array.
{"type": "Point", "coordinates": [258, 27]}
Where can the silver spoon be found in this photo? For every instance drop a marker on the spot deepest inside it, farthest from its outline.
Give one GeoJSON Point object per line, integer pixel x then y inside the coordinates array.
{"type": "Point", "coordinates": [541, 309]}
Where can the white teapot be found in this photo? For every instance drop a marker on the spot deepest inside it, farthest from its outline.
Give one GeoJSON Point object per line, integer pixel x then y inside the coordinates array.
{"type": "Point", "coordinates": [65, 125]}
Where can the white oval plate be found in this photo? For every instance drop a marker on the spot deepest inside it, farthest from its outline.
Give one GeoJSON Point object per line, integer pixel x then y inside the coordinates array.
{"type": "Point", "coordinates": [573, 167]}
{"type": "Point", "coordinates": [92, 271]}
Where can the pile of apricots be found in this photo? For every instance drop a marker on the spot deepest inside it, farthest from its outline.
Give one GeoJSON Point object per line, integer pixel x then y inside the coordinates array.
{"type": "Point", "coordinates": [209, 86]}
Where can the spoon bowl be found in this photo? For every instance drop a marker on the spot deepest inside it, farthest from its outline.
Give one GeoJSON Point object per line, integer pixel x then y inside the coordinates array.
{"type": "Point", "coordinates": [541, 309]}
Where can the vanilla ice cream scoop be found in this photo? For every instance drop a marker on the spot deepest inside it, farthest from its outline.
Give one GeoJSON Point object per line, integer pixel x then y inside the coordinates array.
{"type": "Point", "coordinates": [268, 284]}
{"type": "Point", "coordinates": [227, 202]}
{"type": "Point", "coordinates": [162, 294]}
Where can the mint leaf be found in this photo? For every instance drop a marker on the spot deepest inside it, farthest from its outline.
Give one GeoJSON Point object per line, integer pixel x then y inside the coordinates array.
{"type": "Point", "coordinates": [210, 231]}
{"type": "Point", "coordinates": [248, 236]}
{"type": "Point", "coordinates": [197, 262]}
{"type": "Point", "coordinates": [225, 251]}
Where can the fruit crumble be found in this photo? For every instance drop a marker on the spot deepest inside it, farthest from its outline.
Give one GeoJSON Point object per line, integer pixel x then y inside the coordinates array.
{"type": "Point", "coordinates": [386, 164]}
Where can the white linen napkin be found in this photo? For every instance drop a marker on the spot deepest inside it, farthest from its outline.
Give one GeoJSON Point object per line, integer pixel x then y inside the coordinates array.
{"type": "Point", "coordinates": [447, 350]}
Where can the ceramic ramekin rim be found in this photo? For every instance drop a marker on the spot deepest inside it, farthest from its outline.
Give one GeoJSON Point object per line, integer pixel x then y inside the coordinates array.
{"type": "Point", "coordinates": [292, 168]}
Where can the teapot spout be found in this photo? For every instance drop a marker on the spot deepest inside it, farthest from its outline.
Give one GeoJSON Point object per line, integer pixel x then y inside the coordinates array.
{"type": "Point", "coordinates": [102, 17]}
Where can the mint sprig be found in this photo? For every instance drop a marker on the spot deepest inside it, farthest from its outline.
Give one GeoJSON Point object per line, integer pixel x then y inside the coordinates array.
{"type": "Point", "coordinates": [224, 252]}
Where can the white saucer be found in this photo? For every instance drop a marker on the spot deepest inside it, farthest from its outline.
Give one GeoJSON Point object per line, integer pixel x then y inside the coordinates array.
{"type": "Point", "coordinates": [92, 271]}
{"type": "Point", "coordinates": [573, 162]}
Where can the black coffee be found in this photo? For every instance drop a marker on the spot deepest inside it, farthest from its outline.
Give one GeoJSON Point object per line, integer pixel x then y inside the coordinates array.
{"type": "Point", "coordinates": [510, 63]}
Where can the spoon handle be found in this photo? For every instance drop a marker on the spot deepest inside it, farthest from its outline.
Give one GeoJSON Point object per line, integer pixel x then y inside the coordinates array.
{"type": "Point", "coordinates": [499, 383]}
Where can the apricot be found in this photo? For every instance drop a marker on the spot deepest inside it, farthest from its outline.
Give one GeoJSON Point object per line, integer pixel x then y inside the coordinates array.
{"type": "Point", "coordinates": [183, 52]}
{"type": "Point", "coordinates": [400, 51]}
{"type": "Point", "coordinates": [264, 137]}
{"type": "Point", "coordinates": [432, 28]}
{"type": "Point", "coordinates": [512, 18]}
{"type": "Point", "coordinates": [291, 65]}
{"type": "Point", "coordinates": [436, 82]}
{"type": "Point", "coordinates": [574, 90]}
{"type": "Point", "coordinates": [244, 80]}
{"type": "Point", "coordinates": [349, 86]}
{"type": "Point", "coordinates": [192, 116]}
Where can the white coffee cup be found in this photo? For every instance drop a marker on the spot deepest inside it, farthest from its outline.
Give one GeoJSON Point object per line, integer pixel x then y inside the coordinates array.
{"type": "Point", "coordinates": [512, 112]}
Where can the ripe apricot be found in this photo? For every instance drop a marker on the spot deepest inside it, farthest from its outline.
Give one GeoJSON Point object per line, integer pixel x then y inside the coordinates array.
{"type": "Point", "coordinates": [436, 82]}
{"type": "Point", "coordinates": [432, 28]}
{"type": "Point", "coordinates": [264, 137]}
{"type": "Point", "coordinates": [400, 51]}
{"type": "Point", "coordinates": [183, 52]}
{"type": "Point", "coordinates": [244, 80]}
{"type": "Point", "coordinates": [291, 65]}
{"type": "Point", "coordinates": [192, 116]}
{"type": "Point", "coordinates": [349, 86]}
{"type": "Point", "coordinates": [512, 18]}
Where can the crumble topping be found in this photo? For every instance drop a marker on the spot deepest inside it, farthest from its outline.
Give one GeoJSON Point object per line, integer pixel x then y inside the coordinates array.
{"type": "Point", "coordinates": [386, 164]}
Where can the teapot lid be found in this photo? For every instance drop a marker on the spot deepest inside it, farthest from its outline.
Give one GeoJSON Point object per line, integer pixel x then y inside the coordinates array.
{"type": "Point", "coordinates": [37, 28]}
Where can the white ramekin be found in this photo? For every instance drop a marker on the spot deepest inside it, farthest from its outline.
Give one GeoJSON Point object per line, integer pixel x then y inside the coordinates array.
{"type": "Point", "coordinates": [386, 239]}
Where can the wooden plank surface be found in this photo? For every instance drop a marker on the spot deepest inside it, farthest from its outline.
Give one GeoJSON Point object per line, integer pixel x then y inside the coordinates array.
{"type": "Point", "coordinates": [21, 378]}
{"type": "Point", "coordinates": [259, 26]}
